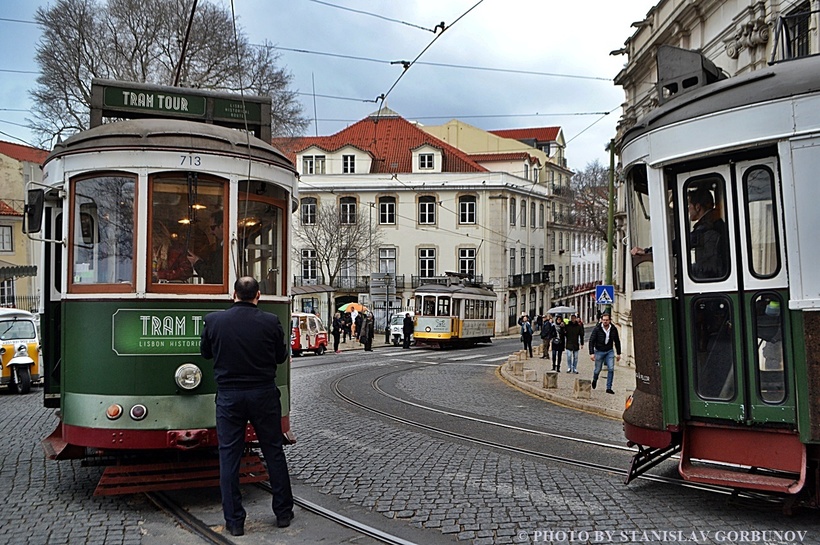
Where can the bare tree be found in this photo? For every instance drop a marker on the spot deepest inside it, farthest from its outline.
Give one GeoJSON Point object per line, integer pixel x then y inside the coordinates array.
{"type": "Point", "coordinates": [141, 41]}
{"type": "Point", "coordinates": [339, 238]}
{"type": "Point", "coordinates": [591, 188]}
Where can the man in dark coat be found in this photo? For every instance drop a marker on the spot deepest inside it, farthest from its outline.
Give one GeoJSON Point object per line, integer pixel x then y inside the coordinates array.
{"type": "Point", "coordinates": [407, 328]}
{"type": "Point", "coordinates": [246, 345]}
{"type": "Point", "coordinates": [604, 342]}
{"type": "Point", "coordinates": [573, 341]}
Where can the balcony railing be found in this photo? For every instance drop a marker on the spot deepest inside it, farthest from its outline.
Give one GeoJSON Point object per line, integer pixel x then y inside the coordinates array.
{"type": "Point", "coordinates": [347, 283]}
{"type": "Point", "coordinates": [417, 281]}
{"type": "Point", "coordinates": [527, 279]}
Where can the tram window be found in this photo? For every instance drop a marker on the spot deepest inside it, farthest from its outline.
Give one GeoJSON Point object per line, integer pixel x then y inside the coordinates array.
{"type": "Point", "coordinates": [260, 233]}
{"type": "Point", "coordinates": [443, 306]}
{"type": "Point", "coordinates": [761, 234]}
{"type": "Point", "coordinates": [771, 382]}
{"type": "Point", "coordinates": [429, 305]}
{"type": "Point", "coordinates": [713, 348]}
{"type": "Point", "coordinates": [707, 243]}
{"type": "Point", "coordinates": [103, 231]}
{"type": "Point", "coordinates": [187, 230]}
{"type": "Point", "coordinates": [643, 272]}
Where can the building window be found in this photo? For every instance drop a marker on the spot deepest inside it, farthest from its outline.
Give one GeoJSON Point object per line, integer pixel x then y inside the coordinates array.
{"type": "Point", "coordinates": [347, 210]}
{"type": "Point", "coordinates": [387, 210]}
{"type": "Point", "coordinates": [348, 164]}
{"type": "Point", "coordinates": [310, 270]}
{"type": "Point", "coordinates": [513, 211]}
{"type": "Point", "coordinates": [512, 261]}
{"type": "Point", "coordinates": [526, 171]}
{"type": "Point", "coordinates": [7, 293]}
{"type": "Point", "coordinates": [532, 259]}
{"type": "Point", "coordinates": [387, 260]}
{"type": "Point", "coordinates": [466, 261]}
{"type": "Point", "coordinates": [535, 174]}
{"type": "Point", "coordinates": [541, 216]}
{"type": "Point", "coordinates": [797, 24]}
{"type": "Point", "coordinates": [6, 239]}
{"type": "Point", "coordinates": [532, 215]}
{"type": "Point", "coordinates": [426, 161]}
{"type": "Point", "coordinates": [540, 259]}
{"type": "Point", "coordinates": [523, 213]}
{"type": "Point", "coordinates": [523, 260]}
{"type": "Point", "coordinates": [313, 164]}
{"type": "Point", "coordinates": [309, 211]}
{"type": "Point", "coordinates": [466, 210]}
{"type": "Point", "coordinates": [427, 262]}
{"type": "Point", "coordinates": [347, 269]}
{"type": "Point", "coordinates": [427, 210]}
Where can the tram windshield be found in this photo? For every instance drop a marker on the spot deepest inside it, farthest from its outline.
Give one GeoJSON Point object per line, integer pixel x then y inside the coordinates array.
{"type": "Point", "coordinates": [102, 246]}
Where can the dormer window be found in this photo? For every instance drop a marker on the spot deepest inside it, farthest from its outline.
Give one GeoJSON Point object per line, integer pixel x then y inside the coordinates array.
{"type": "Point", "coordinates": [313, 164]}
{"type": "Point", "coordinates": [426, 161]}
{"type": "Point", "coordinates": [348, 164]}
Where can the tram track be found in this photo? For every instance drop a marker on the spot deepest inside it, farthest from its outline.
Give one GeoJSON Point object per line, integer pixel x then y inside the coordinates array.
{"type": "Point", "coordinates": [204, 531]}
{"type": "Point", "coordinates": [562, 459]}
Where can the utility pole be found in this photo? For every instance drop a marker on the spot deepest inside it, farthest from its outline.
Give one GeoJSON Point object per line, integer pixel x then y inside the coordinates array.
{"type": "Point", "coordinates": [610, 228]}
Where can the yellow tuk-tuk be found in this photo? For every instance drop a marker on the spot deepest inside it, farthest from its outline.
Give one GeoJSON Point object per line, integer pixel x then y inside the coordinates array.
{"type": "Point", "coordinates": [19, 350]}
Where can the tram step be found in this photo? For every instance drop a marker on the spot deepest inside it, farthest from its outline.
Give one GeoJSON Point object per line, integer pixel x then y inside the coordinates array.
{"type": "Point", "coordinates": [766, 460]}
{"type": "Point", "coordinates": [131, 479]}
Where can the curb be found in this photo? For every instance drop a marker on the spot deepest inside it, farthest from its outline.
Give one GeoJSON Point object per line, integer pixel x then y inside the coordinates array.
{"type": "Point", "coordinates": [582, 405]}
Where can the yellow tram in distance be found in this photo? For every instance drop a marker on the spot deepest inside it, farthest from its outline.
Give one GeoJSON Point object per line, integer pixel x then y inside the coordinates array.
{"type": "Point", "coordinates": [454, 315]}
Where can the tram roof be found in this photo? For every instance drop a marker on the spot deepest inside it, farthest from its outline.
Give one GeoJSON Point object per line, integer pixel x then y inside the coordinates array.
{"type": "Point", "coordinates": [171, 134]}
{"type": "Point", "coordinates": [781, 80]}
{"type": "Point", "coordinates": [453, 290]}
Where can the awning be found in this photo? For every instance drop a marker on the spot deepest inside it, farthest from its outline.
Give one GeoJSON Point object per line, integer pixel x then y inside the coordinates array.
{"type": "Point", "coordinates": [316, 288]}
{"type": "Point", "coordinates": [10, 270]}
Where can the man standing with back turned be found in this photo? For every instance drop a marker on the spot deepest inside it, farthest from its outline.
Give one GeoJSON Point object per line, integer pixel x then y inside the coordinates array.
{"type": "Point", "coordinates": [247, 344]}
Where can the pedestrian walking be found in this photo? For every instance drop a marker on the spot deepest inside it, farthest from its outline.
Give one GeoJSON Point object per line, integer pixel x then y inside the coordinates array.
{"type": "Point", "coordinates": [247, 345]}
{"type": "Point", "coordinates": [348, 325]}
{"type": "Point", "coordinates": [573, 341]}
{"type": "Point", "coordinates": [558, 342]}
{"type": "Point", "coordinates": [367, 330]}
{"type": "Point", "coordinates": [604, 343]}
{"type": "Point", "coordinates": [547, 333]}
{"type": "Point", "coordinates": [336, 329]}
{"type": "Point", "coordinates": [407, 328]}
{"type": "Point", "coordinates": [526, 334]}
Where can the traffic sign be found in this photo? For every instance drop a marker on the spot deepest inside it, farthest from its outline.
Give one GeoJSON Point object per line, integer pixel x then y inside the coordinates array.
{"type": "Point", "coordinates": [604, 295]}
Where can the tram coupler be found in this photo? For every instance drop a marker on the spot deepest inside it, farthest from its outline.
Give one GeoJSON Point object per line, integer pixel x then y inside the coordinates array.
{"type": "Point", "coordinates": [647, 458]}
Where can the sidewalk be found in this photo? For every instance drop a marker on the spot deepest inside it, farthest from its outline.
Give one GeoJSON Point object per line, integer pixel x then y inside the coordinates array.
{"type": "Point", "coordinates": [623, 382]}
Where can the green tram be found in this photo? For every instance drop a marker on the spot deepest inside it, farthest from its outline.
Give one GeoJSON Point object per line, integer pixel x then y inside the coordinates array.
{"type": "Point", "coordinates": [723, 224]}
{"type": "Point", "coordinates": [146, 224]}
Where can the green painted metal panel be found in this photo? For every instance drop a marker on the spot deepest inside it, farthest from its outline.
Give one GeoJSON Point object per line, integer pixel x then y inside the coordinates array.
{"type": "Point", "coordinates": [183, 411]}
{"type": "Point", "coordinates": [143, 100]}
{"type": "Point", "coordinates": [670, 363]}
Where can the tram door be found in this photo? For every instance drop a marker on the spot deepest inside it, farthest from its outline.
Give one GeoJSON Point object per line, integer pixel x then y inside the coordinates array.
{"type": "Point", "coordinates": [734, 293]}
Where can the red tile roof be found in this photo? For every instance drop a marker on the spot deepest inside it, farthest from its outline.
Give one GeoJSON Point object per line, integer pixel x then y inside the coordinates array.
{"type": "Point", "coordinates": [23, 153]}
{"type": "Point", "coordinates": [389, 139]}
{"type": "Point", "coordinates": [540, 134]}
{"type": "Point", "coordinates": [506, 156]}
{"type": "Point", "coordinates": [6, 210]}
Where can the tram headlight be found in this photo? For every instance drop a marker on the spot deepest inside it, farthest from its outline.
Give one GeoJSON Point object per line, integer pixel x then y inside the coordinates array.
{"type": "Point", "coordinates": [114, 411]}
{"type": "Point", "coordinates": [188, 376]}
{"type": "Point", "coordinates": [428, 329]}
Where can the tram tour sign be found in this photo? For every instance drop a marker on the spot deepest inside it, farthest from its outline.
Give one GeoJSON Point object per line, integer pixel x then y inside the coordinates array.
{"type": "Point", "coordinates": [157, 332]}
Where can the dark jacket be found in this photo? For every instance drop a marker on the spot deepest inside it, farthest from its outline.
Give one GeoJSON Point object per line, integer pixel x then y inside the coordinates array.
{"type": "Point", "coordinates": [598, 336]}
{"type": "Point", "coordinates": [337, 326]}
{"type": "Point", "coordinates": [246, 345]}
{"type": "Point", "coordinates": [548, 331]}
{"type": "Point", "coordinates": [574, 336]}
{"type": "Point", "coordinates": [407, 326]}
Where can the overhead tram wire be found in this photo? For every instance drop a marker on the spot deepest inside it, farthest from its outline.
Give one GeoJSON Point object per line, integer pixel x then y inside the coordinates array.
{"type": "Point", "coordinates": [373, 15]}
{"type": "Point", "coordinates": [184, 44]}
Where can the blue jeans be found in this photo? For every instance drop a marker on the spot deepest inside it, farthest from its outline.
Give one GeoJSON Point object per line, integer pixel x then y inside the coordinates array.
{"type": "Point", "coordinates": [260, 406]}
{"type": "Point", "coordinates": [572, 361]}
{"type": "Point", "coordinates": [609, 356]}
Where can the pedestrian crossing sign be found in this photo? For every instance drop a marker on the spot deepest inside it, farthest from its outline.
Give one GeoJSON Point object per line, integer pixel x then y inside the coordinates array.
{"type": "Point", "coordinates": [604, 295]}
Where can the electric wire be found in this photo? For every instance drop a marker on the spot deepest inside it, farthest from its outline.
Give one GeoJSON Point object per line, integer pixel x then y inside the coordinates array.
{"type": "Point", "coordinates": [362, 12]}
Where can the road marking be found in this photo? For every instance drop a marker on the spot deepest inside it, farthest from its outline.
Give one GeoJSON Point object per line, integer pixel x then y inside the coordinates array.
{"type": "Point", "coordinates": [470, 357]}
{"type": "Point", "coordinates": [499, 359]}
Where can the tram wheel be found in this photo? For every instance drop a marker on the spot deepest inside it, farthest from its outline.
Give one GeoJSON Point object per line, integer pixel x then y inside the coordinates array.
{"type": "Point", "coordinates": [21, 380]}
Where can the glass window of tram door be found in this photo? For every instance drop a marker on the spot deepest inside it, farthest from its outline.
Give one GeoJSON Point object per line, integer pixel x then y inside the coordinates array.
{"type": "Point", "coordinates": [102, 233]}
{"type": "Point", "coordinates": [187, 238]}
{"type": "Point", "coordinates": [260, 232]}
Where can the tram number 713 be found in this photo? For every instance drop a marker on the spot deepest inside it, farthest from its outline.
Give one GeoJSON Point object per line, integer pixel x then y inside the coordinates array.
{"type": "Point", "coordinates": [190, 160]}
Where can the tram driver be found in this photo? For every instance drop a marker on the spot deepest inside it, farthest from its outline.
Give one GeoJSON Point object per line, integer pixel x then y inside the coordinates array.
{"type": "Point", "coordinates": [708, 240]}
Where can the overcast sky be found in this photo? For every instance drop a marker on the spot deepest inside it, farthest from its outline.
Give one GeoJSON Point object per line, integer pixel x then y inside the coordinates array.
{"type": "Point", "coordinates": [543, 62]}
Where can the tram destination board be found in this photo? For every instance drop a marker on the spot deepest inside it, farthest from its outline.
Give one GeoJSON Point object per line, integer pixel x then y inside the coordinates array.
{"type": "Point", "coordinates": [117, 99]}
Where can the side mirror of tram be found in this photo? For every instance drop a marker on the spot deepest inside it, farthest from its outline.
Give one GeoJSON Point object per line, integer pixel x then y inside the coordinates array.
{"type": "Point", "coordinates": [33, 211]}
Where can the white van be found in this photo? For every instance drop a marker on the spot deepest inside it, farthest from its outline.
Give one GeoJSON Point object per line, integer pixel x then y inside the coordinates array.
{"type": "Point", "coordinates": [397, 327]}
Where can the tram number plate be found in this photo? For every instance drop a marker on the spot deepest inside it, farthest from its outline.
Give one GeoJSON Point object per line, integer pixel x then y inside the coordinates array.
{"type": "Point", "coordinates": [190, 160]}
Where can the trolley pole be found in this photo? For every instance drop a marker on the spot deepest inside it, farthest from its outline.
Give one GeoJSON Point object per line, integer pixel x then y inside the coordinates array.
{"type": "Point", "coordinates": [610, 227]}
